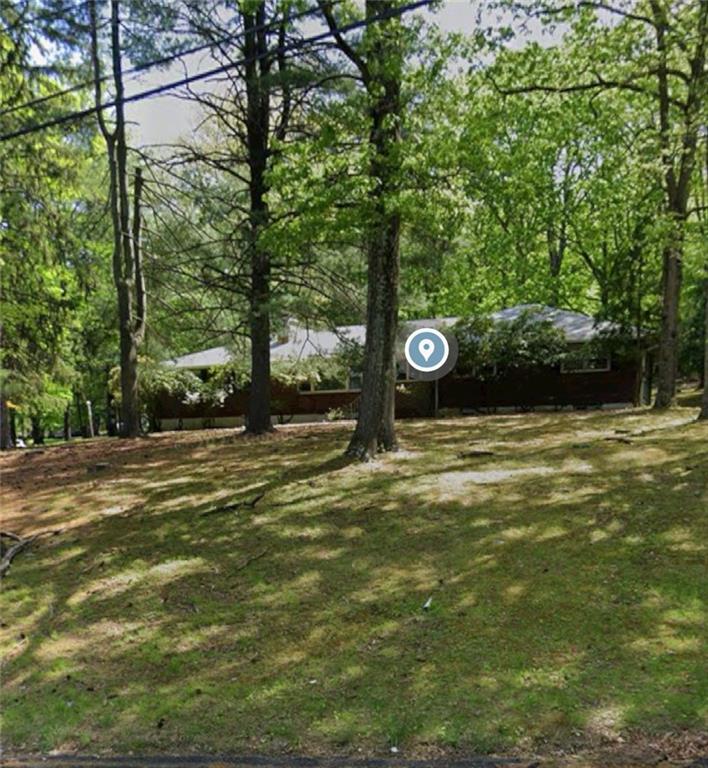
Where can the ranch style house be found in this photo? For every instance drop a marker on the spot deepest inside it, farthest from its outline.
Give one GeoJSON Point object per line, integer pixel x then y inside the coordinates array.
{"type": "Point", "coordinates": [592, 380]}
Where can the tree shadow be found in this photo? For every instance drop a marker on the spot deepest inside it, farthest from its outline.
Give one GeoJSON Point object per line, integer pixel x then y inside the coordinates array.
{"type": "Point", "coordinates": [565, 609]}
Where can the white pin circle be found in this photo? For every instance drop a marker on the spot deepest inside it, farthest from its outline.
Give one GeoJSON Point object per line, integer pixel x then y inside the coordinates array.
{"type": "Point", "coordinates": [428, 345]}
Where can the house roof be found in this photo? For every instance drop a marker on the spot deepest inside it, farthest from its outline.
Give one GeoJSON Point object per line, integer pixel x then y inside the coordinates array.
{"type": "Point", "coordinates": [305, 342]}
{"type": "Point", "coordinates": [577, 327]}
{"type": "Point", "coordinates": [206, 358]}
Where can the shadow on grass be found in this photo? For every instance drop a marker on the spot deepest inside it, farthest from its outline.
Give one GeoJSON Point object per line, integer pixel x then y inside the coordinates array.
{"type": "Point", "coordinates": [566, 594]}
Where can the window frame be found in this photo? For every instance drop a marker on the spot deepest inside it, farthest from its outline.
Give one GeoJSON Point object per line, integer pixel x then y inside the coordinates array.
{"type": "Point", "coordinates": [582, 361]}
{"type": "Point", "coordinates": [312, 391]}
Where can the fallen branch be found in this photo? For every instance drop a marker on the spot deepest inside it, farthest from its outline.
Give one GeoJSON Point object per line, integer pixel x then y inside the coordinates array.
{"type": "Point", "coordinates": [21, 544]}
{"type": "Point", "coordinates": [11, 553]}
{"type": "Point", "coordinates": [250, 504]}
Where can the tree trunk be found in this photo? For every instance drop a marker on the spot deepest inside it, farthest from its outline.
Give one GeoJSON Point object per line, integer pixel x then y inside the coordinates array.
{"type": "Point", "coordinates": [111, 428]}
{"type": "Point", "coordinates": [387, 429]}
{"type": "Point", "coordinates": [704, 400]}
{"type": "Point", "coordinates": [5, 434]}
{"type": "Point", "coordinates": [669, 338]}
{"type": "Point", "coordinates": [678, 171]}
{"type": "Point", "coordinates": [258, 418]}
{"type": "Point", "coordinates": [37, 430]}
{"type": "Point", "coordinates": [375, 429]}
{"type": "Point", "coordinates": [67, 423]}
{"type": "Point", "coordinates": [127, 256]}
{"type": "Point", "coordinates": [129, 404]}
{"type": "Point", "coordinates": [80, 413]}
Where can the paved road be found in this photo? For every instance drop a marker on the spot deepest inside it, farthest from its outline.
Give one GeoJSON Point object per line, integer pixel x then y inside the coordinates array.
{"type": "Point", "coordinates": [255, 761]}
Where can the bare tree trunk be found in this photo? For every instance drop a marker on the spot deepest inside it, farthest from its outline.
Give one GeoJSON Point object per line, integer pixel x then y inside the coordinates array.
{"type": "Point", "coordinates": [111, 427]}
{"type": "Point", "coordinates": [257, 129]}
{"type": "Point", "coordinates": [387, 430]}
{"type": "Point", "coordinates": [127, 257]}
{"type": "Point", "coordinates": [375, 429]}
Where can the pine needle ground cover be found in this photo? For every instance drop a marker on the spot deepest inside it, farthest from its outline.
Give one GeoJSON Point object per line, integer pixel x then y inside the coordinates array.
{"type": "Point", "coordinates": [210, 592]}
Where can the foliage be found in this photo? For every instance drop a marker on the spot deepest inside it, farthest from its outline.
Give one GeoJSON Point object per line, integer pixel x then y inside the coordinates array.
{"type": "Point", "coordinates": [527, 341]}
{"type": "Point", "coordinates": [45, 255]}
{"type": "Point", "coordinates": [510, 187]}
{"type": "Point", "coordinates": [290, 372]}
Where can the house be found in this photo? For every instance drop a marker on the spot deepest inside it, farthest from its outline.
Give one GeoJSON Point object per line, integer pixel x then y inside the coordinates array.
{"type": "Point", "coordinates": [590, 381]}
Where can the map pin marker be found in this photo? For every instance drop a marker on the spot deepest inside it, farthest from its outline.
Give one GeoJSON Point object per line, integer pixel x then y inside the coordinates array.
{"type": "Point", "coordinates": [426, 349]}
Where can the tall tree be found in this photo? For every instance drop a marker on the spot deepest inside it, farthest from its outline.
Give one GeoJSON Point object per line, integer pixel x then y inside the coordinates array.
{"type": "Point", "coordinates": [259, 61]}
{"type": "Point", "coordinates": [657, 49]}
{"type": "Point", "coordinates": [704, 400]}
{"type": "Point", "coordinates": [246, 122]}
{"type": "Point", "coordinates": [379, 61]}
{"type": "Point", "coordinates": [681, 38]}
{"type": "Point", "coordinates": [42, 200]}
{"type": "Point", "coordinates": [561, 193]}
{"type": "Point", "coordinates": [126, 223]}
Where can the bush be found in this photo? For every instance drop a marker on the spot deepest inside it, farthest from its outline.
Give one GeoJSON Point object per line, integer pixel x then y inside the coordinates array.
{"type": "Point", "coordinates": [488, 348]}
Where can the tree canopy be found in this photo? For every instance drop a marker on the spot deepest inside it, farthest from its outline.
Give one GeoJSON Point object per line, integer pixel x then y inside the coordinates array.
{"type": "Point", "coordinates": [346, 166]}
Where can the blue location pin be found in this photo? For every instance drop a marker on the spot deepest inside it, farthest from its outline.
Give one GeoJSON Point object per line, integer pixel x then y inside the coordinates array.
{"type": "Point", "coordinates": [427, 351]}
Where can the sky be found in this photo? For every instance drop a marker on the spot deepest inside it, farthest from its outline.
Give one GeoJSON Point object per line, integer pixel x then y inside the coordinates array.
{"type": "Point", "coordinates": [164, 119]}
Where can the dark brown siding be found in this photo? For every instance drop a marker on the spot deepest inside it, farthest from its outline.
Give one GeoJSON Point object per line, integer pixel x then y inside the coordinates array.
{"type": "Point", "coordinates": [413, 399]}
{"type": "Point", "coordinates": [523, 389]}
{"type": "Point", "coordinates": [545, 386]}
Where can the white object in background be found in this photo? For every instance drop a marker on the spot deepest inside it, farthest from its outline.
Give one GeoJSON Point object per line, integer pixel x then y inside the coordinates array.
{"type": "Point", "coordinates": [90, 417]}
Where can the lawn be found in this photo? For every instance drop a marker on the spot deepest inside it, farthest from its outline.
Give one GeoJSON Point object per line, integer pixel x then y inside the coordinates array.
{"type": "Point", "coordinates": [562, 556]}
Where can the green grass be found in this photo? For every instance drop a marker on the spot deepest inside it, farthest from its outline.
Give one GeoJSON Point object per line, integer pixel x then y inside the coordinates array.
{"type": "Point", "coordinates": [567, 573]}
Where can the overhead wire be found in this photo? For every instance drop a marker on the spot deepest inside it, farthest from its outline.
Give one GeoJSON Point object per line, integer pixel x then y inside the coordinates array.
{"type": "Point", "coordinates": [141, 68]}
{"type": "Point", "coordinates": [158, 90]}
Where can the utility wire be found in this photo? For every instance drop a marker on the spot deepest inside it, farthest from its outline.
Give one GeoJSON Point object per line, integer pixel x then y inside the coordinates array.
{"type": "Point", "coordinates": [79, 115]}
{"type": "Point", "coordinates": [164, 60]}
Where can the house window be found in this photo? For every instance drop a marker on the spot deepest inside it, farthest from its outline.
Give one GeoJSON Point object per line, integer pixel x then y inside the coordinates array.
{"type": "Point", "coordinates": [333, 384]}
{"type": "Point", "coordinates": [587, 364]}
{"type": "Point", "coordinates": [356, 379]}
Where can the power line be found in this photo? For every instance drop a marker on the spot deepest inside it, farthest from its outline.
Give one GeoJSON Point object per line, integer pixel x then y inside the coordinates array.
{"type": "Point", "coordinates": [79, 115]}
{"type": "Point", "coordinates": [159, 62]}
